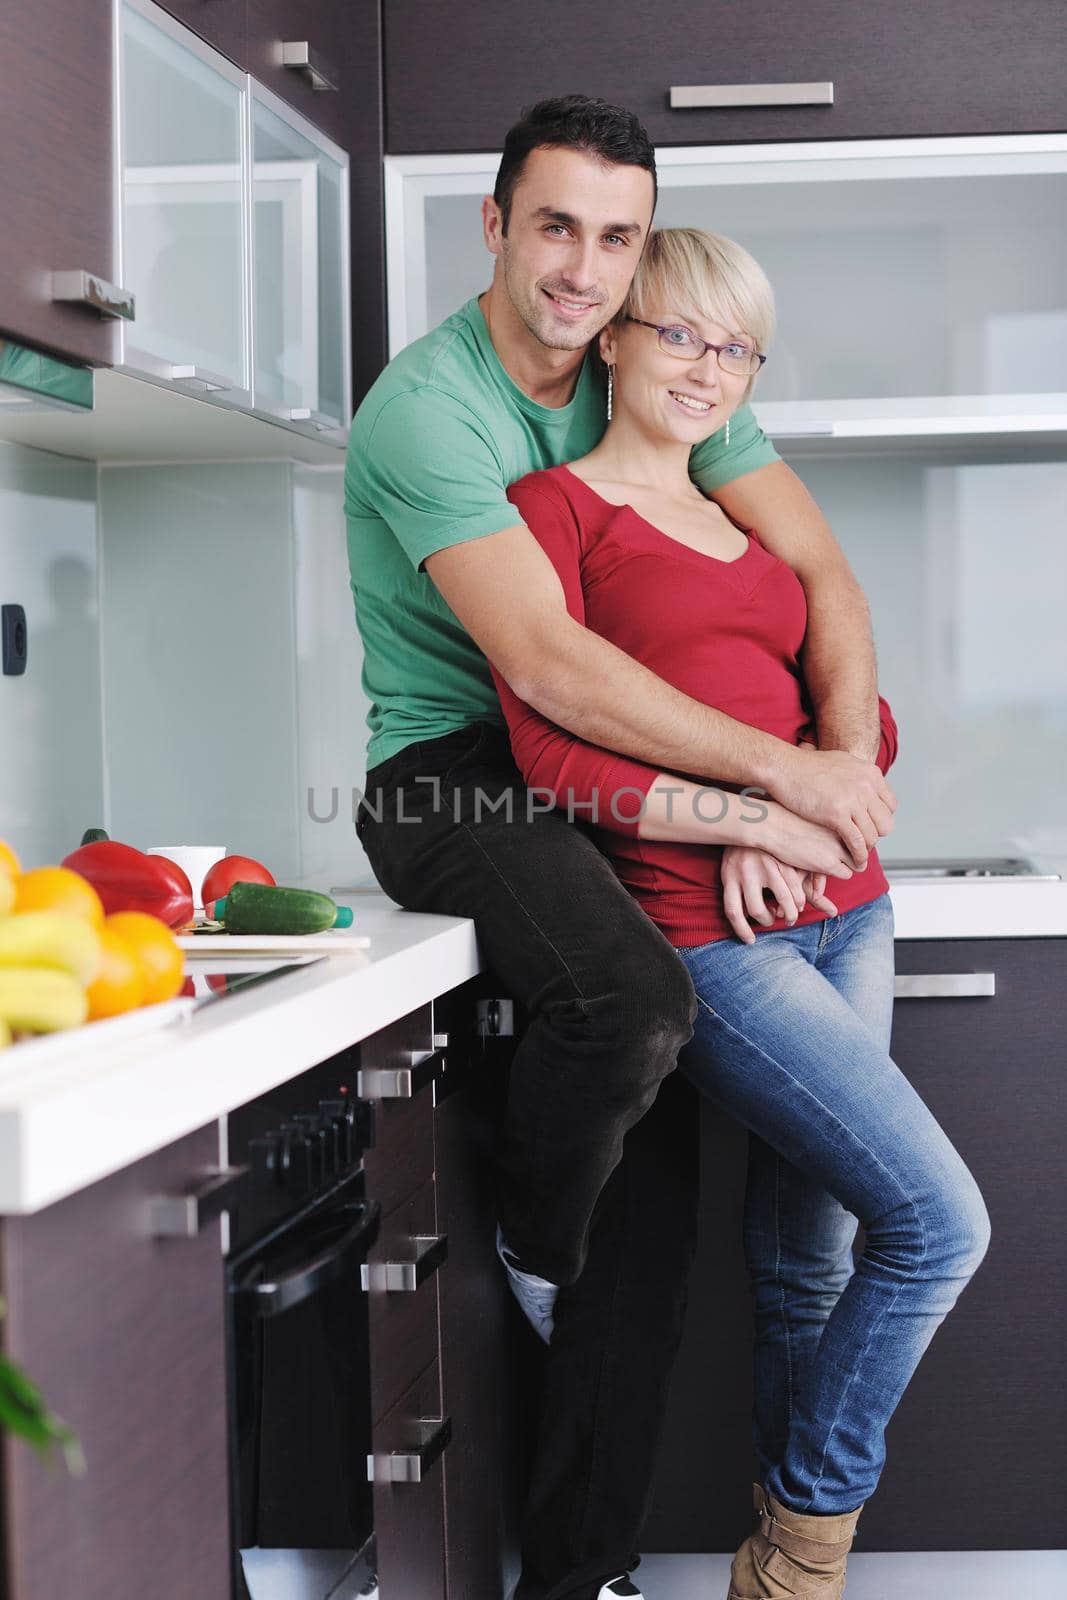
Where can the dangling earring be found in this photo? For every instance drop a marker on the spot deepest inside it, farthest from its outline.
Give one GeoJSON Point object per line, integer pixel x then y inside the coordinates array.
{"type": "Point", "coordinates": [611, 371]}
{"type": "Point", "coordinates": [727, 433]}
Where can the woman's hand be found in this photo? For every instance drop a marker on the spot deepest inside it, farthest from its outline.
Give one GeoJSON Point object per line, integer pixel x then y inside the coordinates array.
{"type": "Point", "coordinates": [803, 844]}
{"type": "Point", "coordinates": [749, 875]}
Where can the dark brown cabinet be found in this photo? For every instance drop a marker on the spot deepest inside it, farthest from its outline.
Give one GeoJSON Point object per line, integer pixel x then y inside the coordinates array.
{"type": "Point", "coordinates": [56, 137]}
{"type": "Point", "coordinates": [479, 1380]}
{"type": "Point", "coordinates": [220, 23]}
{"type": "Point", "coordinates": [987, 1408]}
{"type": "Point", "coordinates": [327, 28]}
{"type": "Point", "coordinates": [124, 1334]}
{"type": "Point", "coordinates": [946, 67]}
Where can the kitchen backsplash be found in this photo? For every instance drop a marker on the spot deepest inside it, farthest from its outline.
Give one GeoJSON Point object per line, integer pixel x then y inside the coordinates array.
{"type": "Point", "coordinates": [51, 760]}
{"type": "Point", "coordinates": [193, 671]}
{"type": "Point", "coordinates": [194, 668]}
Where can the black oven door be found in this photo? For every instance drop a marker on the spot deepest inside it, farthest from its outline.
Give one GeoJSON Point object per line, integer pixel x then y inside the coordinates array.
{"type": "Point", "coordinates": [300, 1422]}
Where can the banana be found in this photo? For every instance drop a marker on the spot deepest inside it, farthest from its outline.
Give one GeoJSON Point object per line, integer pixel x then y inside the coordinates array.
{"type": "Point", "coordinates": [51, 939]}
{"type": "Point", "coordinates": [41, 999]}
{"type": "Point", "coordinates": [7, 892]}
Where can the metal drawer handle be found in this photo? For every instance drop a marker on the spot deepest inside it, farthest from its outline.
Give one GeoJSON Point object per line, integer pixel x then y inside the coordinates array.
{"type": "Point", "coordinates": [695, 96]}
{"type": "Point", "coordinates": [181, 1216]}
{"type": "Point", "coordinates": [199, 378]}
{"type": "Point", "coordinates": [410, 1466]}
{"type": "Point", "coordinates": [298, 54]}
{"type": "Point", "coordinates": [400, 1083]}
{"type": "Point", "coordinates": [82, 288]}
{"type": "Point", "coordinates": [944, 985]}
{"type": "Point", "coordinates": [404, 1277]}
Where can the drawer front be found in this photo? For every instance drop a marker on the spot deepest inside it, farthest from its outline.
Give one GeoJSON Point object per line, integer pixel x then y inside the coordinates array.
{"type": "Point", "coordinates": [402, 1156]}
{"type": "Point", "coordinates": [403, 1322]}
{"type": "Point", "coordinates": [409, 1517]}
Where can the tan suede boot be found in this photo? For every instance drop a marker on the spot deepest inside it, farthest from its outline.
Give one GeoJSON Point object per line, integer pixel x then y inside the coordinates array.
{"type": "Point", "coordinates": [792, 1556]}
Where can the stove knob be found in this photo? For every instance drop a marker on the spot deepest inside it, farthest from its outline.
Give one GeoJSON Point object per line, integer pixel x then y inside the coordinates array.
{"type": "Point", "coordinates": [337, 1114]}
{"type": "Point", "coordinates": [297, 1159]}
{"type": "Point", "coordinates": [322, 1140]}
{"type": "Point", "coordinates": [265, 1155]}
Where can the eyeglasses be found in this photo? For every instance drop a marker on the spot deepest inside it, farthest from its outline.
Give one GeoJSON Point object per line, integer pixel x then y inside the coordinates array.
{"type": "Point", "coordinates": [736, 357]}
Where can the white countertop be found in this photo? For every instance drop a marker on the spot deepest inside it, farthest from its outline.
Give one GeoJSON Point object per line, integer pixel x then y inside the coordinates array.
{"type": "Point", "coordinates": [75, 1108]}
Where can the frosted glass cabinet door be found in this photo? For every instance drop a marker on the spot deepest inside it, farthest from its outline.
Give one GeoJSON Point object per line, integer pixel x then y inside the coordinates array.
{"type": "Point", "coordinates": [300, 234]}
{"type": "Point", "coordinates": [183, 210]}
{"type": "Point", "coordinates": [921, 284]}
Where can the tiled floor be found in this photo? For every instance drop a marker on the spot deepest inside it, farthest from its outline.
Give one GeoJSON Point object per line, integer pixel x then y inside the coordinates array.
{"type": "Point", "coordinates": [963, 1575]}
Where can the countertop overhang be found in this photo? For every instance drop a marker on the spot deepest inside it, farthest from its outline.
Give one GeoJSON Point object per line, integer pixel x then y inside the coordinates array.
{"type": "Point", "coordinates": [75, 1109]}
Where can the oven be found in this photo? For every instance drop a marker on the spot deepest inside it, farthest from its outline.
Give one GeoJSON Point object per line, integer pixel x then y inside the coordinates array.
{"type": "Point", "coordinates": [298, 1340]}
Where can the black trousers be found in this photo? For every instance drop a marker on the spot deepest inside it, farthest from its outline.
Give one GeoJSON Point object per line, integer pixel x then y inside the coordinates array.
{"type": "Point", "coordinates": [592, 1192]}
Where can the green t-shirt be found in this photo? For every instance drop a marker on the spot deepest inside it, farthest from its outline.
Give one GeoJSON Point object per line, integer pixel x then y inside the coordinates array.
{"type": "Point", "coordinates": [433, 448]}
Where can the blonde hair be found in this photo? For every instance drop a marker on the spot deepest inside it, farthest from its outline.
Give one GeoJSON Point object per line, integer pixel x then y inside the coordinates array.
{"type": "Point", "coordinates": [703, 274]}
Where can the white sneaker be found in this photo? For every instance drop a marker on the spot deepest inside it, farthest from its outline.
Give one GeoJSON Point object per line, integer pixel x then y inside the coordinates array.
{"type": "Point", "coordinates": [620, 1589]}
{"type": "Point", "coordinates": [535, 1295]}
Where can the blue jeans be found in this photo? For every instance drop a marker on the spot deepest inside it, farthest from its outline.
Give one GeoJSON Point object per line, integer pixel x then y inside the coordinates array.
{"type": "Point", "coordinates": [792, 1039]}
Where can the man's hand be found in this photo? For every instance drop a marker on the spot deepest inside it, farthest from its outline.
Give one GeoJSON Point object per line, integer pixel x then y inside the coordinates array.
{"type": "Point", "coordinates": [841, 792]}
{"type": "Point", "coordinates": [748, 876]}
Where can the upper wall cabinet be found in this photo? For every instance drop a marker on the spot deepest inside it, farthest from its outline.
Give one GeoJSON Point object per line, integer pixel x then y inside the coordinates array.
{"type": "Point", "coordinates": [300, 283]}
{"type": "Point", "coordinates": [221, 23]}
{"type": "Point", "coordinates": [301, 52]}
{"type": "Point", "coordinates": [184, 244]}
{"type": "Point", "coordinates": [55, 133]}
{"type": "Point", "coordinates": [458, 76]}
{"type": "Point", "coordinates": [234, 233]}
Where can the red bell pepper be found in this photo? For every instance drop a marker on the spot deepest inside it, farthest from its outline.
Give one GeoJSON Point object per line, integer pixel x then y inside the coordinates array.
{"type": "Point", "coordinates": [128, 880]}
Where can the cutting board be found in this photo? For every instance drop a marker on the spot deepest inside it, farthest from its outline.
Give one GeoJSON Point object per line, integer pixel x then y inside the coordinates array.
{"type": "Point", "coordinates": [334, 940]}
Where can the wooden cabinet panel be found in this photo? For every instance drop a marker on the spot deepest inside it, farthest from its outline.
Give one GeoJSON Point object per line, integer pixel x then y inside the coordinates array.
{"type": "Point", "coordinates": [409, 1517]}
{"type": "Point", "coordinates": [987, 1407]}
{"type": "Point", "coordinates": [899, 72]}
{"type": "Point", "coordinates": [403, 1324]}
{"type": "Point", "coordinates": [989, 1400]}
{"type": "Point", "coordinates": [124, 1334]}
{"type": "Point", "coordinates": [222, 23]}
{"type": "Point", "coordinates": [402, 1155]}
{"type": "Point", "coordinates": [324, 25]}
{"type": "Point", "coordinates": [483, 1465]}
{"type": "Point", "coordinates": [56, 134]}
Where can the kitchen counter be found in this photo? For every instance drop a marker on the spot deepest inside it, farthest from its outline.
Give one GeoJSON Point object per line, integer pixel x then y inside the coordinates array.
{"type": "Point", "coordinates": [74, 1109]}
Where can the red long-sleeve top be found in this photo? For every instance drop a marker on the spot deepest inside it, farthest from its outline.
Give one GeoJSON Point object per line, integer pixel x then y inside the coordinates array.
{"type": "Point", "coordinates": [727, 633]}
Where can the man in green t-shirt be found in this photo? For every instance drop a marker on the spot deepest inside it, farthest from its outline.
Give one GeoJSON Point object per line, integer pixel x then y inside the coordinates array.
{"type": "Point", "coordinates": [597, 1238]}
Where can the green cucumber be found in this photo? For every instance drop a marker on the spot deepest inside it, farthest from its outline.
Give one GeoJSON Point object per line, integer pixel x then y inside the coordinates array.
{"type": "Point", "coordinates": [271, 908]}
{"type": "Point", "coordinates": [93, 836]}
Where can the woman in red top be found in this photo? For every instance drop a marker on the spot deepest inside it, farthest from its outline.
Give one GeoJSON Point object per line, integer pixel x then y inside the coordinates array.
{"type": "Point", "coordinates": [794, 1016]}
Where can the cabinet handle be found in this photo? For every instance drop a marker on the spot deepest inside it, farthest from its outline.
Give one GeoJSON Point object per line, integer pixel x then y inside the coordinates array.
{"type": "Point", "coordinates": [299, 55]}
{"type": "Point", "coordinates": [404, 1277]}
{"type": "Point", "coordinates": [400, 1083]}
{"type": "Point", "coordinates": [86, 289]}
{"type": "Point", "coordinates": [181, 1216]}
{"type": "Point", "coordinates": [723, 96]}
{"type": "Point", "coordinates": [410, 1466]}
{"type": "Point", "coordinates": [944, 985]}
{"type": "Point", "coordinates": [318, 419]}
{"type": "Point", "coordinates": [199, 378]}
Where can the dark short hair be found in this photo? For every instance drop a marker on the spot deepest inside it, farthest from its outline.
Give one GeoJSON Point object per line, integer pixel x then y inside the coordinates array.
{"type": "Point", "coordinates": [573, 122]}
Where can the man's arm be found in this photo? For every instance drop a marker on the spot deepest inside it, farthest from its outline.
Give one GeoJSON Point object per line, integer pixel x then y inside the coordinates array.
{"type": "Point", "coordinates": [838, 655]}
{"type": "Point", "coordinates": [507, 594]}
